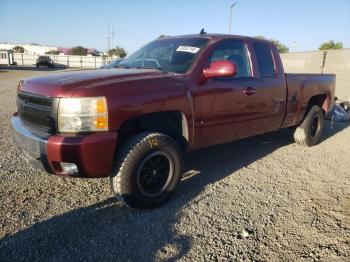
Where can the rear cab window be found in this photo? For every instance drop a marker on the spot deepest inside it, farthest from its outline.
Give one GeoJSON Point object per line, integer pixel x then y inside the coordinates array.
{"type": "Point", "coordinates": [264, 60]}
{"type": "Point", "coordinates": [236, 52]}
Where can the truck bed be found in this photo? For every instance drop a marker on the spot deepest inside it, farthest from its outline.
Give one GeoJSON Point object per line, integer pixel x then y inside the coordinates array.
{"type": "Point", "coordinates": [301, 88]}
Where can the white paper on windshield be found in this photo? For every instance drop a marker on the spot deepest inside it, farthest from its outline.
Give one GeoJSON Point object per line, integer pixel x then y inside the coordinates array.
{"type": "Point", "coordinates": [189, 49]}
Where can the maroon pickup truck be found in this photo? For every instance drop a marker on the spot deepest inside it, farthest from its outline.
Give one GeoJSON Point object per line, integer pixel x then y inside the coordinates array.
{"type": "Point", "coordinates": [175, 94]}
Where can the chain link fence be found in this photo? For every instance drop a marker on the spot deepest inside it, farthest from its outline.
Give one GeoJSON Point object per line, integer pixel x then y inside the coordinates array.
{"type": "Point", "coordinates": [63, 60]}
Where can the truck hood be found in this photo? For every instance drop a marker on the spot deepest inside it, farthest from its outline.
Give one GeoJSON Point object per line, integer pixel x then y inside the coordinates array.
{"type": "Point", "coordinates": [66, 84]}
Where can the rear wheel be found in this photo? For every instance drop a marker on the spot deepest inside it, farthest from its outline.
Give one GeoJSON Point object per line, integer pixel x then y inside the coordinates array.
{"type": "Point", "coordinates": [148, 170]}
{"type": "Point", "coordinates": [309, 132]}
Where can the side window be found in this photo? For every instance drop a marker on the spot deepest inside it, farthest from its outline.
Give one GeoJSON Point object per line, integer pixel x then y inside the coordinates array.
{"type": "Point", "coordinates": [265, 61]}
{"type": "Point", "coordinates": [234, 51]}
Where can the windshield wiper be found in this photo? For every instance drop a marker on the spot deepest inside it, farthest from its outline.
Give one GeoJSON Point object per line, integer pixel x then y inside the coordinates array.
{"type": "Point", "coordinates": [152, 67]}
{"type": "Point", "coordinates": [149, 67]}
{"type": "Point", "coordinates": [122, 66]}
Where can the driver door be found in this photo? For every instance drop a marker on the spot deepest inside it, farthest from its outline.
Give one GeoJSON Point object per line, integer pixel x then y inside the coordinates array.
{"type": "Point", "coordinates": [235, 107]}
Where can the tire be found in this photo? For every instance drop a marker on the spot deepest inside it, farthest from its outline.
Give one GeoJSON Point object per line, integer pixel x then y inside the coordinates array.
{"type": "Point", "coordinates": [309, 132]}
{"type": "Point", "coordinates": [148, 169]}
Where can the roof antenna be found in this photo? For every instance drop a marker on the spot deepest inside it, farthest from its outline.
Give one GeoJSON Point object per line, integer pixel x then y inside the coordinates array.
{"type": "Point", "coordinates": [202, 32]}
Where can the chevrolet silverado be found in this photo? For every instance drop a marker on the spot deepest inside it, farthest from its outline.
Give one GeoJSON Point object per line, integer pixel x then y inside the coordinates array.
{"type": "Point", "coordinates": [175, 94]}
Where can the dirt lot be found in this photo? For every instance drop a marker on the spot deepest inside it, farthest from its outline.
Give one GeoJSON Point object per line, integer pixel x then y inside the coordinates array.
{"type": "Point", "coordinates": [263, 198]}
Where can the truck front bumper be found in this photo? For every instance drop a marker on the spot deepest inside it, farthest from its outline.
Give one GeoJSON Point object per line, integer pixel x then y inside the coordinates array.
{"type": "Point", "coordinates": [92, 154]}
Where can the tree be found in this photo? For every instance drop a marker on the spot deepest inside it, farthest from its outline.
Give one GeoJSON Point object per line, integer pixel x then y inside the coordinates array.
{"type": "Point", "coordinates": [117, 51]}
{"type": "Point", "coordinates": [95, 53]}
{"type": "Point", "coordinates": [331, 45]}
{"type": "Point", "coordinates": [18, 49]}
{"type": "Point", "coordinates": [52, 52]}
{"type": "Point", "coordinates": [282, 48]}
{"type": "Point", "coordinates": [78, 50]}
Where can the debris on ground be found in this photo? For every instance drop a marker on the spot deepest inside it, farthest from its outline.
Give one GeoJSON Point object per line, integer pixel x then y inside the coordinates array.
{"type": "Point", "coordinates": [339, 112]}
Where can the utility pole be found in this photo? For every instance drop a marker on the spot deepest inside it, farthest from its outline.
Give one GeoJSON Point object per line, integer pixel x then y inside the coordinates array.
{"type": "Point", "coordinates": [230, 19]}
{"type": "Point", "coordinates": [113, 37]}
{"type": "Point", "coordinates": [110, 37]}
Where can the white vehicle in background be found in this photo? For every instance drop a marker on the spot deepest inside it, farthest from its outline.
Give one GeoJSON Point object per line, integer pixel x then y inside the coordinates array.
{"type": "Point", "coordinates": [6, 57]}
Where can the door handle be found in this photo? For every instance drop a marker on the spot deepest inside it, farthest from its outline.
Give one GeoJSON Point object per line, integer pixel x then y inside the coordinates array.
{"type": "Point", "coordinates": [249, 91]}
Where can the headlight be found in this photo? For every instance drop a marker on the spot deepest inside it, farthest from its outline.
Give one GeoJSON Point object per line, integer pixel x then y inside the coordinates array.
{"type": "Point", "coordinates": [82, 114]}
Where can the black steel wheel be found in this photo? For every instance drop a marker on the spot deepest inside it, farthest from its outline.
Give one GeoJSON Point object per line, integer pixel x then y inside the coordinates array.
{"type": "Point", "coordinates": [155, 173]}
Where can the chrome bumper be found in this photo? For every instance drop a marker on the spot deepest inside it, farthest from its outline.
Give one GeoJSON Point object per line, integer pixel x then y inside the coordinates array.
{"type": "Point", "coordinates": [33, 145]}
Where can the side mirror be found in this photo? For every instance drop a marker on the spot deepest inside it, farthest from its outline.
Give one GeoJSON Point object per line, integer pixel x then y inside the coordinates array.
{"type": "Point", "coordinates": [221, 68]}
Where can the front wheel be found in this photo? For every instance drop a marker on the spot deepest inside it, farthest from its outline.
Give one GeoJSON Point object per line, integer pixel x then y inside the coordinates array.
{"type": "Point", "coordinates": [148, 170]}
{"type": "Point", "coordinates": [309, 132]}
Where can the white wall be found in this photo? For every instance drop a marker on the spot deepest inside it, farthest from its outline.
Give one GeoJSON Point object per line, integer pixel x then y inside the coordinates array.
{"type": "Point", "coordinates": [62, 60]}
{"type": "Point", "coordinates": [332, 61]}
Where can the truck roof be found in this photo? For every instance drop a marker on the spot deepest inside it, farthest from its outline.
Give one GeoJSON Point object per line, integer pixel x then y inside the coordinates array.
{"type": "Point", "coordinates": [214, 36]}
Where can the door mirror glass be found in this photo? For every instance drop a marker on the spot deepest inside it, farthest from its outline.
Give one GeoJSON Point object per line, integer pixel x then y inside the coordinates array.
{"type": "Point", "coordinates": [221, 68]}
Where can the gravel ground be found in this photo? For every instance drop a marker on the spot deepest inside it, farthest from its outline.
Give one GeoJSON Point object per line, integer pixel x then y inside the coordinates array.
{"type": "Point", "coordinates": [259, 199]}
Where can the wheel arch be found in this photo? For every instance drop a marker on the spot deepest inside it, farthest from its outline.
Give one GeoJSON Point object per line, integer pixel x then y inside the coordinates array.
{"type": "Point", "coordinates": [171, 123]}
{"type": "Point", "coordinates": [322, 100]}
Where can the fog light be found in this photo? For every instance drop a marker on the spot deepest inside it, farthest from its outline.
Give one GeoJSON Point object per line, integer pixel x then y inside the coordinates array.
{"type": "Point", "coordinates": [69, 168]}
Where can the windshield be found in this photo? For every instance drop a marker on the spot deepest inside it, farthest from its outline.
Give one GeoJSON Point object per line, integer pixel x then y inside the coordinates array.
{"type": "Point", "coordinates": [170, 55]}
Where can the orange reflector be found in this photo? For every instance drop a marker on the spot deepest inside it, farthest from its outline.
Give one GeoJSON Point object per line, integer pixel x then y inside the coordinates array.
{"type": "Point", "coordinates": [101, 122]}
{"type": "Point", "coordinates": [100, 106]}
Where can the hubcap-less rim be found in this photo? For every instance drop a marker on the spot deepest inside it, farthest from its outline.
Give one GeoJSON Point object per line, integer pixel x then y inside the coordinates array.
{"type": "Point", "coordinates": [155, 174]}
{"type": "Point", "coordinates": [314, 126]}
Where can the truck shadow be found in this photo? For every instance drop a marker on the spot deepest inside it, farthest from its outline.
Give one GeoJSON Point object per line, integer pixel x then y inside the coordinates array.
{"type": "Point", "coordinates": [106, 231]}
{"type": "Point", "coordinates": [332, 129]}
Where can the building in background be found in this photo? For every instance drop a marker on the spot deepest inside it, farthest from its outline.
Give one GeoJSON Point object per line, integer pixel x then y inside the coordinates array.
{"type": "Point", "coordinates": [30, 48]}
{"type": "Point", "coordinates": [36, 49]}
{"type": "Point", "coordinates": [65, 51]}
